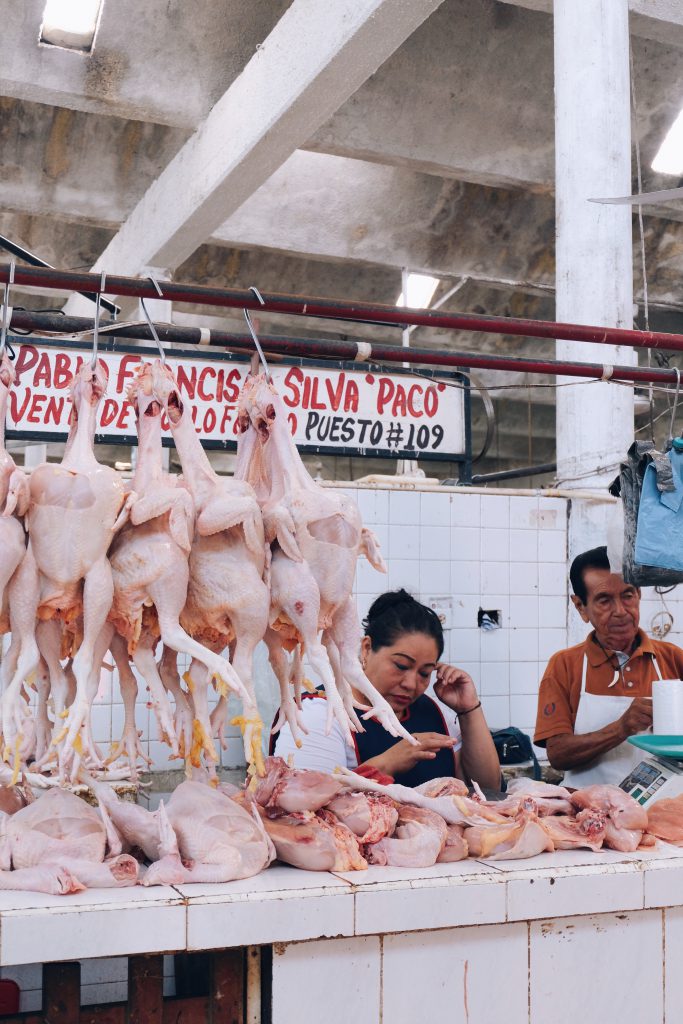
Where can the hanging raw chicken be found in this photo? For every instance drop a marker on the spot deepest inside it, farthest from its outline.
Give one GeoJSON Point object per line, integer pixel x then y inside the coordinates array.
{"type": "Point", "coordinates": [316, 536]}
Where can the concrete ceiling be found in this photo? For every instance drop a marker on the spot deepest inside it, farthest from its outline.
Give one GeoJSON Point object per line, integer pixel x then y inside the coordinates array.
{"type": "Point", "coordinates": [431, 148]}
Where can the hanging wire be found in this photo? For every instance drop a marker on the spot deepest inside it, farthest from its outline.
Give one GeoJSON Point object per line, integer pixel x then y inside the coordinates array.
{"type": "Point", "coordinates": [250, 325]}
{"type": "Point", "coordinates": [162, 354]}
{"type": "Point", "coordinates": [5, 309]}
{"type": "Point", "coordinates": [96, 329]}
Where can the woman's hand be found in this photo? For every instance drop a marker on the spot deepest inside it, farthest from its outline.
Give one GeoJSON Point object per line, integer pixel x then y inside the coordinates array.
{"type": "Point", "coordinates": [455, 688]}
{"type": "Point", "coordinates": [404, 755]}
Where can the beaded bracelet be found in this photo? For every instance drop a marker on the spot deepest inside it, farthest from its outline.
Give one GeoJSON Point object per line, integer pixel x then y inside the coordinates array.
{"type": "Point", "coordinates": [461, 713]}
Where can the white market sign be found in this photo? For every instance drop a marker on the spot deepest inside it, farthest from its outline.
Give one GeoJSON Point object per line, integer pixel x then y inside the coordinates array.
{"type": "Point", "coordinates": [329, 409]}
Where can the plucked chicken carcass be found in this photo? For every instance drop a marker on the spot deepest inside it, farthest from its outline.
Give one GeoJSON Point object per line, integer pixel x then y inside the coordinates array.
{"type": "Point", "coordinates": [284, 790]}
{"type": "Point", "coordinates": [200, 835]}
{"type": "Point", "coordinates": [417, 842]}
{"type": "Point", "coordinates": [316, 536]}
{"type": "Point", "coordinates": [626, 820]}
{"type": "Point", "coordinates": [586, 830]}
{"type": "Point", "coordinates": [76, 508]}
{"type": "Point", "coordinates": [369, 817]}
{"type": "Point", "coordinates": [149, 560]}
{"type": "Point", "coordinates": [14, 500]}
{"type": "Point", "coordinates": [665, 820]}
{"type": "Point", "coordinates": [517, 839]}
{"type": "Point", "coordinates": [314, 842]}
{"type": "Point", "coordinates": [227, 598]}
{"type": "Point", "coordinates": [456, 847]}
{"type": "Point", "coordinates": [59, 837]}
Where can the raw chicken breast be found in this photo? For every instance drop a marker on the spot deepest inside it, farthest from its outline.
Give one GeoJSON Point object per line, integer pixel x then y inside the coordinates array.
{"type": "Point", "coordinates": [665, 820]}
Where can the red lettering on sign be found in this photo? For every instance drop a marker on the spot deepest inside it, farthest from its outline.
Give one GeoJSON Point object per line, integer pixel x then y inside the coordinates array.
{"type": "Point", "coordinates": [431, 401]}
{"type": "Point", "coordinates": [292, 381]}
{"type": "Point", "coordinates": [351, 397]}
{"type": "Point", "coordinates": [43, 374]}
{"type": "Point", "coordinates": [207, 372]}
{"type": "Point", "coordinates": [225, 419]}
{"type": "Point", "coordinates": [35, 412]}
{"type": "Point", "coordinates": [209, 420]}
{"type": "Point", "coordinates": [315, 401]}
{"type": "Point", "coordinates": [26, 360]}
{"type": "Point", "coordinates": [109, 411]}
{"type": "Point", "coordinates": [122, 421]}
{"type": "Point", "coordinates": [126, 372]}
{"type": "Point", "coordinates": [232, 386]}
{"type": "Point", "coordinates": [15, 410]}
{"type": "Point", "coordinates": [185, 383]}
{"type": "Point", "coordinates": [291, 419]}
{"type": "Point", "coordinates": [62, 376]}
{"type": "Point", "coordinates": [386, 391]}
{"type": "Point", "coordinates": [55, 408]}
{"type": "Point", "coordinates": [335, 394]}
{"type": "Point", "coordinates": [415, 391]}
{"type": "Point", "coordinates": [399, 406]}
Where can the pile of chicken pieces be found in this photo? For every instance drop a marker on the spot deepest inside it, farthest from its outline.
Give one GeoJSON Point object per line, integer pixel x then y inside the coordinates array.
{"type": "Point", "coordinates": [59, 844]}
{"type": "Point", "coordinates": [197, 565]}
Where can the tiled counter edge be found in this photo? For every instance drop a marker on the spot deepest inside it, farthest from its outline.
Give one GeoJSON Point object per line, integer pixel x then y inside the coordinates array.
{"type": "Point", "coordinates": [286, 905]}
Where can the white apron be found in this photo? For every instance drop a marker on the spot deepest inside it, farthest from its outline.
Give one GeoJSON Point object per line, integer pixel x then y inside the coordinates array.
{"type": "Point", "coordinates": [595, 712]}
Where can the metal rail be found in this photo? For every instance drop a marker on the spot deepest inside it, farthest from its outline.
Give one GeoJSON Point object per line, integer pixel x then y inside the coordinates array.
{"type": "Point", "coordinates": [360, 312]}
{"type": "Point", "coordinates": [345, 351]}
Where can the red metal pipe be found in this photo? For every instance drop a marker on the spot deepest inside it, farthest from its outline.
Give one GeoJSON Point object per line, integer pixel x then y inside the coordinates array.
{"type": "Point", "coordinates": [346, 351]}
{"type": "Point", "coordinates": [360, 312]}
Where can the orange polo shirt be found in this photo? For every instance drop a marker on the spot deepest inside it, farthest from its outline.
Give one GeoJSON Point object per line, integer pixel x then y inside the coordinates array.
{"type": "Point", "coordinates": [558, 696]}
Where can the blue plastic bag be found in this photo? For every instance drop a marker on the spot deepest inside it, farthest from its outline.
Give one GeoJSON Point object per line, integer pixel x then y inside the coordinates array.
{"type": "Point", "coordinates": [659, 534]}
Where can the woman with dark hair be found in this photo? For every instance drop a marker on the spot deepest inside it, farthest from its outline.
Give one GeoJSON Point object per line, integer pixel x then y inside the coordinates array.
{"type": "Point", "coordinates": [401, 649]}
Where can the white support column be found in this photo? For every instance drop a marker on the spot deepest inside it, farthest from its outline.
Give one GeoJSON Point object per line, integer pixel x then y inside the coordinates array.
{"type": "Point", "coordinates": [594, 248]}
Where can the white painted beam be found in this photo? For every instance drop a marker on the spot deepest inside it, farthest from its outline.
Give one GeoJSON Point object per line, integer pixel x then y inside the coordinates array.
{"type": "Point", "coordinates": [661, 20]}
{"type": "Point", "coordinates": [314, 59]}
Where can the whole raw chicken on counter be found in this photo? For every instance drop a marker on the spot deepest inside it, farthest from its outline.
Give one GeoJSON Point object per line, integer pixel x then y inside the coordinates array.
{"type": "Point", "coordinates": [149, 560]}
{"type": "Point", "coordinates": [57, 844]}
{"type": "Point", "coordinates": [76, 507]}
{"type": "Point", "coordinates": [315, 537]}
{"type": "Point", "coordinates": [228, 597]}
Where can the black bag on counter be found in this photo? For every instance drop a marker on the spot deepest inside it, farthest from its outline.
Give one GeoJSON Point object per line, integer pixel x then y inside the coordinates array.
{"type": "Point", "coordinates": [514, 747]}
{"type": "Point", "coordinates": [629, 485]}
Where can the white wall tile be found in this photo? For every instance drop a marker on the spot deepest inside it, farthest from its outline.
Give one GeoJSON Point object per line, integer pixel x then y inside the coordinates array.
{"type": "Point", "coordinates": [454, 978]}
{"type": "Point", "coordinates": [404, 507]}
{"type": "Point", "coordinates": [598, 969]}
{"type": "Point", "coordinates": [435, 509]}
{"type": "Point", "coordinates": [435, 578]}
{"type": "Point", "coordinates": [495, 645]}
{"type": "Point", "coordinates": [495, 578]}
{"type": "Point", "coordinates": [522, 512]}
{"type": "Point", "coordinates": [522, 708]}
{"type": "Point", "coordinates": [465, 645]}
{"type": "Point", "coordinates": [524, 577]}
{"type": "Point", "coordinates": [495, 510]}
{"type": "Point", "coordinates": [552, 546]}
{"type": "Point", "coordinates": [373, 505]}
{"type": "Point", "coordinates": [435, 542]}
{"type": "Point", "coordinates": [100, 719]}
{"type": "Point", "coordinates": [440, 903]}
{"type": "Point", "coordinates": [497, 711]}
{"type": "Point", "coordinates": [524, 678]}
{"type": "Point", "coordinates": [405, 572]}
{"type": "Point", "coordinates": [495, 545]}
{"type": "Point", "coordinates": [404, 542]}
{"type": "Point", "coordinates": [336, 981]}
{"type": "Point", "coordinates": [523, 546]}
{"type": "Point", "coordinates": [466, 510]}
{"type": "Point", "coordinates": [524, 644]}
{"type": "Point", "coordinates": [550, 641]}
{"type": "Point", "coordinates": [494, 679]}
{"type": "Point", "coordinates": [524, 612]}
{"type": "Point", "coordinates": [673, 940]}
{"type": "Point", "coordinates": [552, 612]}
{"type": "Point", "coordinates": [464, 541]}
{"type": "Point", "coordinates": [552, 579]}
{"type": "Point", "coordinates": [466, 577]}
{"type": "Point", "coordinates": [465, 608]}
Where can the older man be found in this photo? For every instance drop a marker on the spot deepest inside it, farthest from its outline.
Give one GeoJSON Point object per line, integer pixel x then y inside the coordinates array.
{"type": "Point", "coordinates": [597, 694]}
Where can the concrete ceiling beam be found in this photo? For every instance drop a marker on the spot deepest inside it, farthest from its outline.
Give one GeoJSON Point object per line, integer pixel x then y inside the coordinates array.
{"type": "Point", "coordinates": [313, 60]}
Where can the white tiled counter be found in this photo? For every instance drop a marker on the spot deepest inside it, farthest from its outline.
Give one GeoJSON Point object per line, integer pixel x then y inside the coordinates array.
{"type": "Point", "coordinates": [565, 936]}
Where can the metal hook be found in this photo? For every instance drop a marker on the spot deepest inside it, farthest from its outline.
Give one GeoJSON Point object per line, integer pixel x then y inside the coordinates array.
{"type": "Point", "coordinates": [675, 405]}
{"type": "Point", "coordinates": [250, 325]}
{"type": "Point", "coordinates": [151, 326]}
{"type": "Point", "coordinates": [5, 309]}
{"type": "Point", "coordinates": [96, 329]}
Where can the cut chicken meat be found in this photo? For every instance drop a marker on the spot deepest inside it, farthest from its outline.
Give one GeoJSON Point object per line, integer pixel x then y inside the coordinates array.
{"type": "Point", "coordinates": [315, 842]}
{"type": "Point", "coordinates": [534, 788]}
{"type": "Point", "coordinates": [417, 842]}
{"type": "Point", "coordinates": [665, 820]}
{"type": "Point", "coordinates": [585, 831]}
{"type": "Point", "coordinates": [456, 847]}
{"type": "Point", "coordinates": [369, 817]}
{"type": "Point", "coordinates": [516, 840]}
{"type": "Point", "coordinates": [625, 821]}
